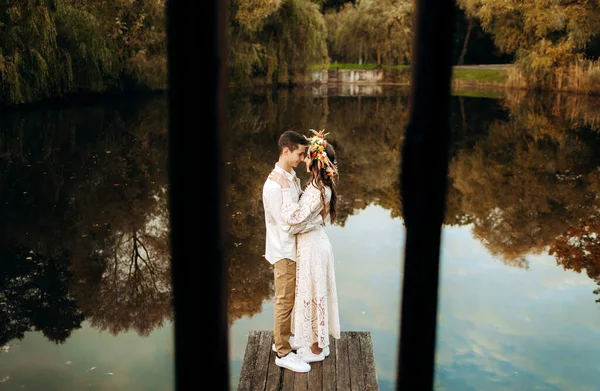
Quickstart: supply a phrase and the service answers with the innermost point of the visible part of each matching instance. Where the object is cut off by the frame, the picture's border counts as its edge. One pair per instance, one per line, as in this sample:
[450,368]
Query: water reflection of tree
[523,171]
[530,179]
[128,285]
[531,185]
[34,295]
[89,183]
[578,249]
[124,203]
[371,131]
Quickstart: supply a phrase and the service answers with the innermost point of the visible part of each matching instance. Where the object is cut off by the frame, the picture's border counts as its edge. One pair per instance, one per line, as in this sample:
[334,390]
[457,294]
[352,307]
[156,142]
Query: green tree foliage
[372,31]
[50,48]
[275,42]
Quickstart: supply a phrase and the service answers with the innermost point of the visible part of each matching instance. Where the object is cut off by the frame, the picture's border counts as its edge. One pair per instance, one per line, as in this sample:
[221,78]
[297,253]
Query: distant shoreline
[581,78]
[489,75]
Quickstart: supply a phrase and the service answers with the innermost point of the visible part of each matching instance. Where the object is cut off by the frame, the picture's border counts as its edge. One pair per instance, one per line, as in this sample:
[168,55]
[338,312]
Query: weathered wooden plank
[288,380]
[247,372]
[259,379]
[274,373]
[315,376]
[357,382]
[329,365]
[369,369]
[301,381]
[342,367]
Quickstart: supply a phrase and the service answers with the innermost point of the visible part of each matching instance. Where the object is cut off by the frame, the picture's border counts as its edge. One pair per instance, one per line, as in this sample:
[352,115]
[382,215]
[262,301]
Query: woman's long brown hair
[320,179]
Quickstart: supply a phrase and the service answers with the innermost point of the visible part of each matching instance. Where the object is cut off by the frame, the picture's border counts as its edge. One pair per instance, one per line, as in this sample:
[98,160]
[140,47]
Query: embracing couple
[305,306]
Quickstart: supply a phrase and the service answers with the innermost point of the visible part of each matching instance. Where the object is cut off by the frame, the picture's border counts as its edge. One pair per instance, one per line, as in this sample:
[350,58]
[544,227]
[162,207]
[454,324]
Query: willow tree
[136,33]
[275,41]
[544,35]
[378,30]
[33,63]
[49,48]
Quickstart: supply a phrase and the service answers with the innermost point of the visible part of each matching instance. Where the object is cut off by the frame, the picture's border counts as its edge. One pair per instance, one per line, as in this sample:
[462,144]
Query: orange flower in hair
[317,152]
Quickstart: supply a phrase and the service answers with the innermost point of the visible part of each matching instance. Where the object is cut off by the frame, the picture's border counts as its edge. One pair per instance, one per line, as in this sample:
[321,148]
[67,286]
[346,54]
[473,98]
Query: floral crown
[316,149]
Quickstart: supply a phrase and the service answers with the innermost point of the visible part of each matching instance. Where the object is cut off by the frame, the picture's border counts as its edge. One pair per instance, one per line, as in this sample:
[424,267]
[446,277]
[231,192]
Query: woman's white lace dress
[316,315]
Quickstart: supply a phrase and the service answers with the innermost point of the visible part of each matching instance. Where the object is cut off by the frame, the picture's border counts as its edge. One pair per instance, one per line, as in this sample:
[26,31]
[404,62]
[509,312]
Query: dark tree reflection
[34,295]
[84,189]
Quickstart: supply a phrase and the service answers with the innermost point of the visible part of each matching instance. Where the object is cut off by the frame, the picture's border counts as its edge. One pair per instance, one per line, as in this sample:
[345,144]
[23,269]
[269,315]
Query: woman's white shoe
[308,356]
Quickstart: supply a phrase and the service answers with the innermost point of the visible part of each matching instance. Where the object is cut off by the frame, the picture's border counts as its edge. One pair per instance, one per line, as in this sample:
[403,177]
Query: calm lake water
[84,277]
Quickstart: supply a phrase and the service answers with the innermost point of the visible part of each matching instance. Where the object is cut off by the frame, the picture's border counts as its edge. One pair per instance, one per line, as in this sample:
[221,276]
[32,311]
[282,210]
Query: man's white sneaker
[292,362]
[292,344]
[308,356]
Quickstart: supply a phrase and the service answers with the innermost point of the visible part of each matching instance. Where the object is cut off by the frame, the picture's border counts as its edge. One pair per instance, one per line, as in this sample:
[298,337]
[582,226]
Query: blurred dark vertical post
[198,125]
[423,190]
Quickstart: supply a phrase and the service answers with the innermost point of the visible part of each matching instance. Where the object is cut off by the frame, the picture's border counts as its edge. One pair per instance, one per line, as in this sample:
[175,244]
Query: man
[280,249]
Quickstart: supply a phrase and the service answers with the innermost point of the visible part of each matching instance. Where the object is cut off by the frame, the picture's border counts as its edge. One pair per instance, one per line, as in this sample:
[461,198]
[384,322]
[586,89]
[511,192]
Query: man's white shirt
[280,240]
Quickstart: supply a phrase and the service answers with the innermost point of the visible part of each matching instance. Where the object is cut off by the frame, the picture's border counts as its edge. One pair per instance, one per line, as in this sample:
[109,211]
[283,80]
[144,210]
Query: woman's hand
[279,178]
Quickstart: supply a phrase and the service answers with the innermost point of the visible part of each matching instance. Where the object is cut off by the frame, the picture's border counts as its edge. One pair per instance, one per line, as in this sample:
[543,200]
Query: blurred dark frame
[198,147]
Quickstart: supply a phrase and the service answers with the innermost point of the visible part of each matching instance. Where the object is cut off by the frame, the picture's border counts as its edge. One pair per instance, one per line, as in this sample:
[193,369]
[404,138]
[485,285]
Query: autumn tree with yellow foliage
[548,38]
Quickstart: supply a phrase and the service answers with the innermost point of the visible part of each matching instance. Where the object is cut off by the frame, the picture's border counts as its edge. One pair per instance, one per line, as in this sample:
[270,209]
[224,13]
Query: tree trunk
[461,59]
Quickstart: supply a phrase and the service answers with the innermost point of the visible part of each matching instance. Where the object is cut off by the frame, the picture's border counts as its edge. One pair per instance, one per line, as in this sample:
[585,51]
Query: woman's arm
[295,226]
[304,227]
[309,206]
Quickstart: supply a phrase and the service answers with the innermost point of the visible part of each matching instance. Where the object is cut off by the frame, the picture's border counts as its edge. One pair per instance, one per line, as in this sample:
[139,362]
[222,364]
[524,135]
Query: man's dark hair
[291,140]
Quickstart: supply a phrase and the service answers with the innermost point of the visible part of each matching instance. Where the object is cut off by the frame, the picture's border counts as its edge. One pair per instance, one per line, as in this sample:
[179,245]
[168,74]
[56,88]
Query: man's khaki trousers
[285,291]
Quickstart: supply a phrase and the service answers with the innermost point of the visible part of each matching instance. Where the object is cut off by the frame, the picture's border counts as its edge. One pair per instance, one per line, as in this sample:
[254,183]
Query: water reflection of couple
[305,306]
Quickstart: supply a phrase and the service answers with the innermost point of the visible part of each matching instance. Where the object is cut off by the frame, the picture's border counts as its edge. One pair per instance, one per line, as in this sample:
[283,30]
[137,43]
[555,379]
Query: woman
[316,314]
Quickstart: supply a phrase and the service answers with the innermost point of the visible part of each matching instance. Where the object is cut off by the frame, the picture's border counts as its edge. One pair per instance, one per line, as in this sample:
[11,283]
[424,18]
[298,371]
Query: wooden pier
[350,366]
